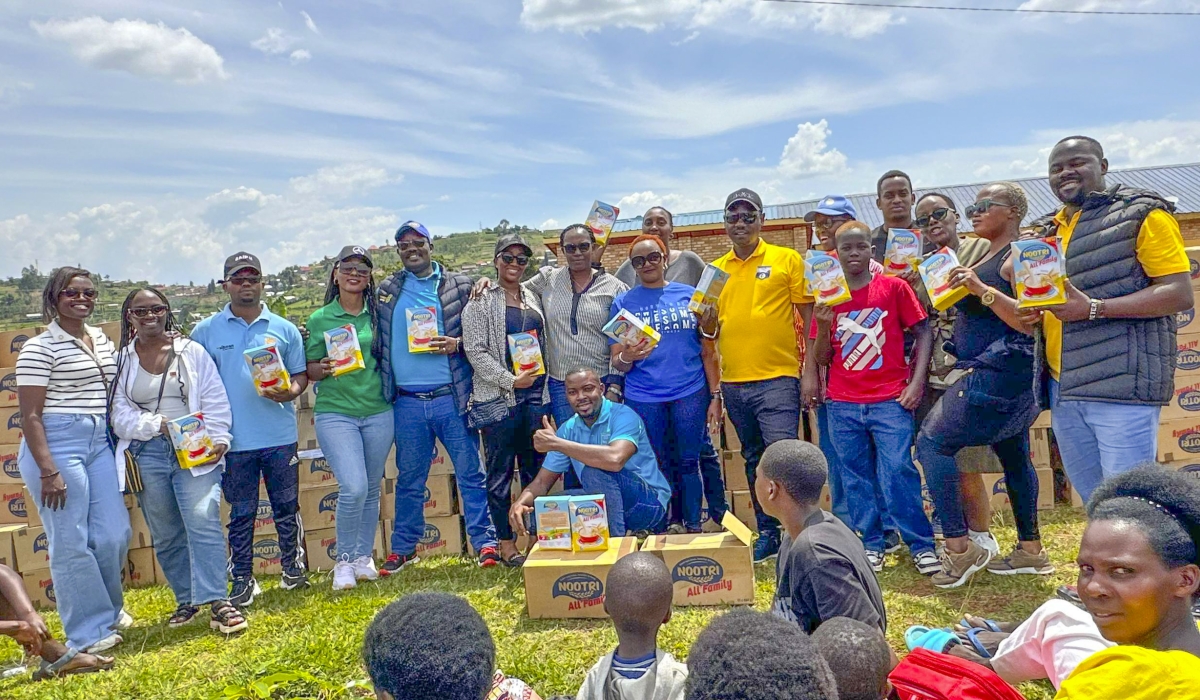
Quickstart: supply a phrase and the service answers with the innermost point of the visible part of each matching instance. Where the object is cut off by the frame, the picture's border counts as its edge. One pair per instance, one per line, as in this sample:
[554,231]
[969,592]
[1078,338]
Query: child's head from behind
[858,656]
[790,470]
[638,595]
[429,645]
[756,656]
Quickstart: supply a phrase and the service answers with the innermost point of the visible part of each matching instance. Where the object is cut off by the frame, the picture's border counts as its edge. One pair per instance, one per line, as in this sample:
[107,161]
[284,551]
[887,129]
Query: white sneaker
[987,541]
[105,644]
[343,576]
[124,621]
[364,568]
[875,559]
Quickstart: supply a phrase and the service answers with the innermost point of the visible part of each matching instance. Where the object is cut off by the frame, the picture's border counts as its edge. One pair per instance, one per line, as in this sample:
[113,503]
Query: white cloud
[138,47]
[300,56]
[637,203]
[806,153]
[444,198]
[275,41]
[550,225]
[343,180]
[308,22]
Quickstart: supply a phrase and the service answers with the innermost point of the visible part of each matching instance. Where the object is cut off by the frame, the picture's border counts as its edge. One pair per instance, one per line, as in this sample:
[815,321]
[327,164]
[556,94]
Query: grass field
[320,632]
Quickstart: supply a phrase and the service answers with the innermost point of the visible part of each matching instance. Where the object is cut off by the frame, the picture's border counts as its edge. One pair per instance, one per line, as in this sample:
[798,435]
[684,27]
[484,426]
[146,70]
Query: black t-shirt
[825,574]
[525,321]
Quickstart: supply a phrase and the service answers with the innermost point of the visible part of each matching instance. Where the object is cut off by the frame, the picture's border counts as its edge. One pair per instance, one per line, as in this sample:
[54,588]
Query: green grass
[320,632]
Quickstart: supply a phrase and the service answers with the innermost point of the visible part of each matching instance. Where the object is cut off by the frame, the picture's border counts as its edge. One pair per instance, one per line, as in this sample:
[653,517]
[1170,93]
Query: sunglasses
[572,248]
[982,207]
[360,269]
[410,244]
[242,280]
[72,293]
[938,214]
[833,223]
[749,217]
[639,261]
[509,259]
[144,311]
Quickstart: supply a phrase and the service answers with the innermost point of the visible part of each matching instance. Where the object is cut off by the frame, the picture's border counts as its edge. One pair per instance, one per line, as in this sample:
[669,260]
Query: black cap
[240,261]
[746,195]
[511,239]
[352,251]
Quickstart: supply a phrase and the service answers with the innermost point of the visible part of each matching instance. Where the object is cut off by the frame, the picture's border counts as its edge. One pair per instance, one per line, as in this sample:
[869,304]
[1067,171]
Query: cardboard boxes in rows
[708,568]
[561,584]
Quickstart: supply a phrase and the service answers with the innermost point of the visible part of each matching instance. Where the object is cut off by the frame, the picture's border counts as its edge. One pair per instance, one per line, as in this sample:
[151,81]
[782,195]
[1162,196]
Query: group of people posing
[883,371]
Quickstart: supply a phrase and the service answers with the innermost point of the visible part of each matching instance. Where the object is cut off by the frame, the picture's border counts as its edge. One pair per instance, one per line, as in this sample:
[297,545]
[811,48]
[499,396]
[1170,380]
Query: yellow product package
[708,291]
[1039,273]
[422,327]
[267,370]
[189,435]
[601,219]
[825,279]
[526,353]
[935,273]
[903,251]
[553,518]
[341,346]
[627,329]
[589,523]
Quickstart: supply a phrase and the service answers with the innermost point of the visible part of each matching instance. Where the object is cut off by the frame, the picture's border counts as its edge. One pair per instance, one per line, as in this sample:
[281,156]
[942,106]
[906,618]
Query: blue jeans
[418,421]
[1098,440]
[713,480]
[561,412]
[763,413]
[675,429]
[184,515]
[874,442]
[89,535]
[278,467]
[357,449]
[632,504]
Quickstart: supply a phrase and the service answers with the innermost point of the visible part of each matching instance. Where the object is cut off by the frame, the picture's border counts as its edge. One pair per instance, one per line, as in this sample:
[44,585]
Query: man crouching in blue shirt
[607,445]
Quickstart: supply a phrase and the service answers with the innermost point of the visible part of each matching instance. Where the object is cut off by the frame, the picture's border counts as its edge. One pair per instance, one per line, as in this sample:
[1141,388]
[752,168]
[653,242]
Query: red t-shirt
[868,341]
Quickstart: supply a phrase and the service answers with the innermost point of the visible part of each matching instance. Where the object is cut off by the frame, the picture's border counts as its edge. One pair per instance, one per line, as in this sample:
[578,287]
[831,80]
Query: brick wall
[1189,226]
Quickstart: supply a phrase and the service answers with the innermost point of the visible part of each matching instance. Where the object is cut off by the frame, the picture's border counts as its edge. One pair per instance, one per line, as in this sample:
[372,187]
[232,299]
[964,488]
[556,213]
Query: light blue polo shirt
[616,422]
[418,371]
[257,422]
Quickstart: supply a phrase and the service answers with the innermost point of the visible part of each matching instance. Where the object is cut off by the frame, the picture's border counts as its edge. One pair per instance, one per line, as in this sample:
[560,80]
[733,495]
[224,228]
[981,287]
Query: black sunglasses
[938,214]
[412,243]
[983,205]
[240,280]
[143,311]
[360,269]
[572,248]
[748,217]
[639,261]
[72,293]
[509,259]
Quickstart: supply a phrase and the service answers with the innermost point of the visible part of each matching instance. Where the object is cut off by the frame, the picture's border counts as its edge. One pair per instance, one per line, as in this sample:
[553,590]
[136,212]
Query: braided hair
[583,228]
[1162,503]
[59,280]
[1015,195]
[333,291]
[129,335]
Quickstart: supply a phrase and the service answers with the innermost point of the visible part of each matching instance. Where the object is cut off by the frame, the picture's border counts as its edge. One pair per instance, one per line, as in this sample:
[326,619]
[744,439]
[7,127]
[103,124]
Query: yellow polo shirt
[758,327]
[1159,250]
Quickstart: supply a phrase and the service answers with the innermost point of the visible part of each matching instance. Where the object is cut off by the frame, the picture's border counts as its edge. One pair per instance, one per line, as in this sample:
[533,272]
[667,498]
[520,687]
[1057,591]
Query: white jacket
[205,393]
[664,681]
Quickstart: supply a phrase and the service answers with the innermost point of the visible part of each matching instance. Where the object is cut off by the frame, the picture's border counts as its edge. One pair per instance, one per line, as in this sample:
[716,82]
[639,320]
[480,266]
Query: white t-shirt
[75,378]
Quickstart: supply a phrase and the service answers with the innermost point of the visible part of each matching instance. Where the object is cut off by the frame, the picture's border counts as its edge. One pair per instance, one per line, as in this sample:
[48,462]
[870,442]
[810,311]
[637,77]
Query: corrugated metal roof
[1178,182]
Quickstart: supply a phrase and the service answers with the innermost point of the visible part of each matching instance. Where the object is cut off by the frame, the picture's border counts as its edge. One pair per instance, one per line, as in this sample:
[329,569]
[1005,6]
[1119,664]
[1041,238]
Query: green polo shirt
[358,394]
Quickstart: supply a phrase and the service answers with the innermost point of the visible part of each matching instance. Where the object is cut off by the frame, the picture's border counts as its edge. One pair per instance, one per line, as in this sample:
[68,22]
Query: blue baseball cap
[414,227]
[832,205]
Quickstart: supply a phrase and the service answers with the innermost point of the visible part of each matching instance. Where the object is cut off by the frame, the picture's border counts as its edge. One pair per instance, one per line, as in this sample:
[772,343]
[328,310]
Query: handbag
[133,472]
[486,413]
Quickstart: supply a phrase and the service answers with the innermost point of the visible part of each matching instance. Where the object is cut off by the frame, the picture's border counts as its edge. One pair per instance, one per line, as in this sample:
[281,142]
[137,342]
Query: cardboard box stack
[709,568]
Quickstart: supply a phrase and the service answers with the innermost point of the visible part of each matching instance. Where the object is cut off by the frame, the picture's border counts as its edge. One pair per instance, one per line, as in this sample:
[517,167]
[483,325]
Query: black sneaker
[293,580]
[183,615]
[766,547]
[244,590]
[395,562]
[891,542]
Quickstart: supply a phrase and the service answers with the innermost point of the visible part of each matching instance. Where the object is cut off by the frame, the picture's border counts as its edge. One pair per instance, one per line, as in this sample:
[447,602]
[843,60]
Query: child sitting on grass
[822,571]
[858,656]
[638,598]
[434,645]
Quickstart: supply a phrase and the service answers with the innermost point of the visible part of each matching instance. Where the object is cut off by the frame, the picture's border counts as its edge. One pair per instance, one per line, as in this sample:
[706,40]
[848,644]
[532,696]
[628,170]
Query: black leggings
[508,447]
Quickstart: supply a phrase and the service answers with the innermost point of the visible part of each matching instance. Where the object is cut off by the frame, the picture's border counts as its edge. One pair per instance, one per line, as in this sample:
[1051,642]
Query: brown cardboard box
[31,548]
[730,441]
[389,464]
[735,471]
[264,518]
[307,399]
[1193,253]
[31,509]
[139,529]
[1179,440]
[141,567]
[387,500]
[11,342]
[8,555]
[267,557]
[743,508]
[40,588]
[13,505]
[10,473]
[113,330]
[1042,421]
[994,485]
[10,425]
[306,430]
[8,387]
[709,569]
[321,546]
[1185,321]
[1039,447]
[1185,400]
[318,506]
[443,536]
[315,470]
[571,584]
[439,495]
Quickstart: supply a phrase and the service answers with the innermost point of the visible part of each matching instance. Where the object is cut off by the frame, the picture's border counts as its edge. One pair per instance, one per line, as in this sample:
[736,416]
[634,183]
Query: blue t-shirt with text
[673,369]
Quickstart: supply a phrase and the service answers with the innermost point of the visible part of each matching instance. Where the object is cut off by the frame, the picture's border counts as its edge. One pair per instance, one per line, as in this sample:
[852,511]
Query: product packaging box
[1039,448]
[267,370]
[14,508]
[629,330]
[735,471]
[708,291]
[601,219]
[306,430]
[935,273]
[139,529]
[315,469]
[8,387]
[30,548]
[321,548]
[589,523]
[40,588]
[342,348]
[742,506]
[318,506]
[10,472]
[1039,272]
[141,568]
[191,440]
[526,353]
[995,486]
[553,518]
[442,536]
[571,584]
[11,430]
[709,569]
[11,343]
[267,557]
[903,251]
[8,556]
[1179,439]
[422,328]
[439,495]
[825,279]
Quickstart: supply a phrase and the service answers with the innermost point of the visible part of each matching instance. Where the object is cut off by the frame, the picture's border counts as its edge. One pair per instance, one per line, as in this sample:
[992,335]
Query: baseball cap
[833,205]
[511,239]
[351,251]
[414,227]
[241,261]
[746,195]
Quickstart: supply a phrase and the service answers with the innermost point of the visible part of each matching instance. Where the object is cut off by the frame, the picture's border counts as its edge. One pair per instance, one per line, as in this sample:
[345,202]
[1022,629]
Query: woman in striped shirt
[67,462]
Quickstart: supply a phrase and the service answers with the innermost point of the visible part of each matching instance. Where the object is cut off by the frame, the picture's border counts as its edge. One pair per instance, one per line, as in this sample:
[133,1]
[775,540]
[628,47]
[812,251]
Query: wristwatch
[989,297]
[1095,309]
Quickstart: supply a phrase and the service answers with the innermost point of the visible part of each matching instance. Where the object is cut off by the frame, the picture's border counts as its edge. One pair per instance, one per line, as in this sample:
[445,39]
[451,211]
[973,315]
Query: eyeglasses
[72,293]
[749,217]
[639,261]
[360,269]
[573,248]
[411,243]
[982,206]
[938,214]
[143,311]
[509,259]
[832,223]
[242,280]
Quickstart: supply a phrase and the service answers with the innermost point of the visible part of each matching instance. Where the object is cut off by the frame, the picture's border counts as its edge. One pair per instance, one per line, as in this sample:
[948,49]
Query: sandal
[920,637]
[59,669]
[183,615]
[226,618]
[516,561]
[973,638]
[988,625]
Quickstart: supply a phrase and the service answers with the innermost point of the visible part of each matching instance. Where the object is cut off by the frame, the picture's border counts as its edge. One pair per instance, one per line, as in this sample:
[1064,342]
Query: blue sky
[150,139]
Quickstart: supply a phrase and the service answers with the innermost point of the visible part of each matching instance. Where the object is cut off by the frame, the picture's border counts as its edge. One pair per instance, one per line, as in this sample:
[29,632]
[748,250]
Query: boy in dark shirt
[822,571]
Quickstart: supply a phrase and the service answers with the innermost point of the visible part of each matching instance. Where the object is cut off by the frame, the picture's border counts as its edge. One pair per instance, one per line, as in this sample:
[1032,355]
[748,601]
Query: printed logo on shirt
[578,586]
[764,271]
[225,347]
[861,336]
[698,570]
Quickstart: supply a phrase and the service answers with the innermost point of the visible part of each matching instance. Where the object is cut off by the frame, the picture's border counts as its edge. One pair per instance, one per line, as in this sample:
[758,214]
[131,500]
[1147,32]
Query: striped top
[70,372]
[573,321]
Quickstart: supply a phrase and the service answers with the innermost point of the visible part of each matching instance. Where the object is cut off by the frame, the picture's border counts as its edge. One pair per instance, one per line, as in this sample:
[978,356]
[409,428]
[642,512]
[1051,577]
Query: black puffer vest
[1115,360]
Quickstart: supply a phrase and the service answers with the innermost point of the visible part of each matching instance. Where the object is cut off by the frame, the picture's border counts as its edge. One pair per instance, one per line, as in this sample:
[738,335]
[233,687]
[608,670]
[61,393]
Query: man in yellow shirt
[1110,349]
[756,337]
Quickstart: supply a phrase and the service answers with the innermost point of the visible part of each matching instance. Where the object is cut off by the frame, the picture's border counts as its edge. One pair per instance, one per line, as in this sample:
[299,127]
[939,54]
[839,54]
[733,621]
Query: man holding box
[263,428]
[429,380]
